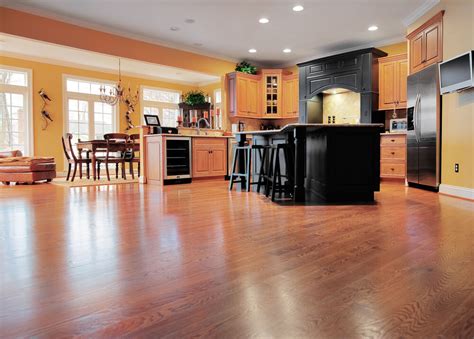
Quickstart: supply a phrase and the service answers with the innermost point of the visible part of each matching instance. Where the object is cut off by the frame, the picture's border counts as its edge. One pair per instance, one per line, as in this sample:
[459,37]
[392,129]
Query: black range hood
[356,71]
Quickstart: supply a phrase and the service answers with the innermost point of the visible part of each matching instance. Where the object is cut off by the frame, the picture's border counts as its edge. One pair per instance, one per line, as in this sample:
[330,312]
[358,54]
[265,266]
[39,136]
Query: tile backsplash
[345,107]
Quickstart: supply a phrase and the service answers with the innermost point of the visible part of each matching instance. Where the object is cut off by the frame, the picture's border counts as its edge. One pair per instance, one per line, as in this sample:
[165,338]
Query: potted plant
[195,97]
[246,67]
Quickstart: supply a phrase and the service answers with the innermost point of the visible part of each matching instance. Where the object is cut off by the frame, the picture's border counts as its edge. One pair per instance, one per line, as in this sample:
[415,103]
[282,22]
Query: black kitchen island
[333,163]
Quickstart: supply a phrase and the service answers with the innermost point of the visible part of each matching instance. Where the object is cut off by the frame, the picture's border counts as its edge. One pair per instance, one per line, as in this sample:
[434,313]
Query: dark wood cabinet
[426,44]
[356,71]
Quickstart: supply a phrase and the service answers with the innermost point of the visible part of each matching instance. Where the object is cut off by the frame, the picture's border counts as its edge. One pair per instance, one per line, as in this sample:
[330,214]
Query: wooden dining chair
[131,156]
[72,159]
[109,158]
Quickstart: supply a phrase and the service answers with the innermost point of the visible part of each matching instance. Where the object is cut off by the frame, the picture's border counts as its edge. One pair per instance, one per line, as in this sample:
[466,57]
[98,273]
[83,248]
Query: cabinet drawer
[200,141]
[393,152]
[393,140]
[388,169]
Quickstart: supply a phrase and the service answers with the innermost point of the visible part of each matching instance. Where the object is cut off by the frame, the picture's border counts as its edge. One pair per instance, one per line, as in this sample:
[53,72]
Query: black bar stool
[235,176]
[273,176]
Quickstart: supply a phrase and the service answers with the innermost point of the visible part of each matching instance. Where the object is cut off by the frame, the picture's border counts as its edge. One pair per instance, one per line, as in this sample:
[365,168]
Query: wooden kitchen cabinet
[290,99]
[393,151]
[426,44]
[209,157]
[153,168]
[393,73]
[272,93]
[267,95]
[243,95]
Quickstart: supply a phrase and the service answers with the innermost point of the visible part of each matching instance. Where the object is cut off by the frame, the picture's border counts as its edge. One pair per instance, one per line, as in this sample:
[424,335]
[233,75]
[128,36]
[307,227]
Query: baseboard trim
[456,191]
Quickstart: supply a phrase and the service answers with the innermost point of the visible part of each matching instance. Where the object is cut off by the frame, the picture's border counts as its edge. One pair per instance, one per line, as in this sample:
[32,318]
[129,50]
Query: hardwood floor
[197,260]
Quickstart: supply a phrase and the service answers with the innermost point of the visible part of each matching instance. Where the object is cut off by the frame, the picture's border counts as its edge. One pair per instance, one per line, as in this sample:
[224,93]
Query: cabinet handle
[392,140]
[393,169]
[393,153]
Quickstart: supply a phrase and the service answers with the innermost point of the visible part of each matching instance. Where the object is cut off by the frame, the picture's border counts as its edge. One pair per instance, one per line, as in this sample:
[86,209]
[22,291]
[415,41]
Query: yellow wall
[457,108]
[50,77]
[398,48]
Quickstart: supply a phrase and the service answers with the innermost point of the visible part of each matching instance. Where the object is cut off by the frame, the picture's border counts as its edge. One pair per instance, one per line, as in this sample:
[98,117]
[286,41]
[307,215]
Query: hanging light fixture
[117,93]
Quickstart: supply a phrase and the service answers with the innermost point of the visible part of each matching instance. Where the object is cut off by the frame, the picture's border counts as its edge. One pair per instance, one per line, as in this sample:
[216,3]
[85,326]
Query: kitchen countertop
[290,127]
[394,133]
[192,136]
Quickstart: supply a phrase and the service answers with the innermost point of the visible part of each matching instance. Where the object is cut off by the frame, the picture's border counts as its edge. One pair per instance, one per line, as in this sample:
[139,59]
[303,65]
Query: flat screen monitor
[152,120]
[457,73]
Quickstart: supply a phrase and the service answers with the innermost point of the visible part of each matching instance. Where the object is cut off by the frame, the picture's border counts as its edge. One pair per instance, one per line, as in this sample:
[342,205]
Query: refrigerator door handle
[415,116]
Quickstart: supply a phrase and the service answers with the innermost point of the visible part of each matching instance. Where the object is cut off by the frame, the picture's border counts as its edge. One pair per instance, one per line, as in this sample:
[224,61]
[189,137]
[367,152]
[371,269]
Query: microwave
[398,125]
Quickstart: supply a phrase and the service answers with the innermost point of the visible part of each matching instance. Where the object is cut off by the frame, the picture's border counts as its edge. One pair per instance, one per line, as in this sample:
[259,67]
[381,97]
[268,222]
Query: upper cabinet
[243,95]
[426,44]
[290,97]
[270,94]
[393,72]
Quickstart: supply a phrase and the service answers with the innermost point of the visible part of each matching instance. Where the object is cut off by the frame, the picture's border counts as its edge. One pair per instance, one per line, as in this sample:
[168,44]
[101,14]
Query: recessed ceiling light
[189,21]
[287,50]
[373,28]
[263,20]
[298,8]
[252,50]
[174,28]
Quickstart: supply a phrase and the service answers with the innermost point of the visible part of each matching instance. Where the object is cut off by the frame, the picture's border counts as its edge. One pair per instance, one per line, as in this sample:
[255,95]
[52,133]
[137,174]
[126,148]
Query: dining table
[100,146]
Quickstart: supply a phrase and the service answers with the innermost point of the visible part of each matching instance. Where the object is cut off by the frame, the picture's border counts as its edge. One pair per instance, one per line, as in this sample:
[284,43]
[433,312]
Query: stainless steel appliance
[424,129]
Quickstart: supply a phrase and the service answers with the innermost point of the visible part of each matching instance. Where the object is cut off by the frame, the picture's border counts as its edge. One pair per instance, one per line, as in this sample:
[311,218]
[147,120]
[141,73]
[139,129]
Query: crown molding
[420,11]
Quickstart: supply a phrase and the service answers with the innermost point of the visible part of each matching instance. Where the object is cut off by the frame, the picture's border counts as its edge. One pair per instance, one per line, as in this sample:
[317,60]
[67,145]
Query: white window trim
[216,105]
[83,96]
[30,134]
[156,104]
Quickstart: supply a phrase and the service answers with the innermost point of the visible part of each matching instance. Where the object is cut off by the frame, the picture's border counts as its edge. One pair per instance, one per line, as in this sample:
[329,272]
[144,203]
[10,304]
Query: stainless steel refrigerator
[424,128]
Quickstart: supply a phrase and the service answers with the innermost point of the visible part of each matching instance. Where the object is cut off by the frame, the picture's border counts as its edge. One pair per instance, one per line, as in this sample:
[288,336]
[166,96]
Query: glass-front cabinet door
[272,93]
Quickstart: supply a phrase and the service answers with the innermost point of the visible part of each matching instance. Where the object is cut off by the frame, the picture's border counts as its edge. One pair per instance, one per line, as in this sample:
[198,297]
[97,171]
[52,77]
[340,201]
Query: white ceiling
[56,54]
[228,28]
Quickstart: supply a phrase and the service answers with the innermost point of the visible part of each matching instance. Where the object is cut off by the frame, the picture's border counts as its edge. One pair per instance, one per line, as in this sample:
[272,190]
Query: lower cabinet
[393,150]
[154,159]
[209,157]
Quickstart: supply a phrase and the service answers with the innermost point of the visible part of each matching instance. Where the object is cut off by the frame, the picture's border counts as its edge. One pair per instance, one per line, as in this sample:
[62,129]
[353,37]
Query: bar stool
[273,174]
[247,156]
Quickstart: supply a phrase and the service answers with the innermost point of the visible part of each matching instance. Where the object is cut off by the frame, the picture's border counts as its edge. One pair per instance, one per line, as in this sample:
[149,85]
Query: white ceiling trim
[420,11]
[121,33]
[206,83]
[380,43]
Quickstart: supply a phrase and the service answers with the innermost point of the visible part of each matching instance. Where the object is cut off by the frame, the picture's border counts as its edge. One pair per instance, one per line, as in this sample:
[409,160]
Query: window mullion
[91,120]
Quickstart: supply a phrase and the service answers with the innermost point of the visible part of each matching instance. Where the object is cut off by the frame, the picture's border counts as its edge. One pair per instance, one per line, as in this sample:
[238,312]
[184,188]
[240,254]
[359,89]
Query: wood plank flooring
[197,260]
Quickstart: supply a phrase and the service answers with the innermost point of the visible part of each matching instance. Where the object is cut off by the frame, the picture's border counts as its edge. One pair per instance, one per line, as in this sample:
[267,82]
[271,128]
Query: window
[217,107]
[16,130]
[161,102]
[87,116]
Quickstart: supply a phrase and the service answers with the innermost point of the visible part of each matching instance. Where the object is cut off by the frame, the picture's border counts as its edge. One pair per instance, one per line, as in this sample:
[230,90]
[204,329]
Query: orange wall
[50,77]
[54,31]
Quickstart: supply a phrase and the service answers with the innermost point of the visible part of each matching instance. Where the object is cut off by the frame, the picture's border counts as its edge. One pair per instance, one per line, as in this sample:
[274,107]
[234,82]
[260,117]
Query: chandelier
[118,94]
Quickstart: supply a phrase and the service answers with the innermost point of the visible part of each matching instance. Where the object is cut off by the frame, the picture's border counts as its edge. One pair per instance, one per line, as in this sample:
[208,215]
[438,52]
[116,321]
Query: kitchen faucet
[199,121]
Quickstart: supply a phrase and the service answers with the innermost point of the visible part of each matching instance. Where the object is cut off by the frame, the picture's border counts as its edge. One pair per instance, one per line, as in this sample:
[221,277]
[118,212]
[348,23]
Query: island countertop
[291,127]
[328,162]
